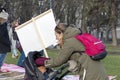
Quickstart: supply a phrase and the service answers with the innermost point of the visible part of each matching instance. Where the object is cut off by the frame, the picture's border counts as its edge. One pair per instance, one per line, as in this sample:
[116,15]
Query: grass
[111,62]
[112,65]
[10,60]
[111,48]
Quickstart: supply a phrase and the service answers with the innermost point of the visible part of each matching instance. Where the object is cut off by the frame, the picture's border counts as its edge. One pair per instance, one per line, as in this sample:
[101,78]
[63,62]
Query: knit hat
[4,15]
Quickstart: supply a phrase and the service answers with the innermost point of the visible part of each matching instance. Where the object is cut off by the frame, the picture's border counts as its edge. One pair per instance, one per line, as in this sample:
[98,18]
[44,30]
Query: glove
[41,61]
[72,65]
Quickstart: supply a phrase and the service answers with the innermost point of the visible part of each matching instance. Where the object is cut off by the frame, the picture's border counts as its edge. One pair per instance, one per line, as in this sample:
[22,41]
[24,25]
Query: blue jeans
[21,59]
[2,57]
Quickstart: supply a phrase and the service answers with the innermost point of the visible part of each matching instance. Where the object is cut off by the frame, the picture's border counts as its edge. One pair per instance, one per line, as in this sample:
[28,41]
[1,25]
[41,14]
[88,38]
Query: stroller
[32,72]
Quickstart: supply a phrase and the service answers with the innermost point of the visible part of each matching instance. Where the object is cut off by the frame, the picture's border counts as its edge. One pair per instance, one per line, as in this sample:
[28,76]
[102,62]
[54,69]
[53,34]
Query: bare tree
[82,13]
[113,21]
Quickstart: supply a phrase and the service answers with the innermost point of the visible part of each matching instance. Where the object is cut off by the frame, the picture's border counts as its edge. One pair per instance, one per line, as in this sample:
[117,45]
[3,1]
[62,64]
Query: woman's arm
[62,57]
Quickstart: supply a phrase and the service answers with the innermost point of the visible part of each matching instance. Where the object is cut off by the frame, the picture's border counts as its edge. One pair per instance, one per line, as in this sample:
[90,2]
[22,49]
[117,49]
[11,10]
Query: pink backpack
[93,46]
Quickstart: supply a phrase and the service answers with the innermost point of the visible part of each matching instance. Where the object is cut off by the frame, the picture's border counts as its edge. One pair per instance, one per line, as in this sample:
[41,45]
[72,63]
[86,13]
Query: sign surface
[37,33]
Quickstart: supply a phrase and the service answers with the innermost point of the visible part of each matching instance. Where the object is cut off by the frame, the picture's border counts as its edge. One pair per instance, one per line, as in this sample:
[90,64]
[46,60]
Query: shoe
[15,56]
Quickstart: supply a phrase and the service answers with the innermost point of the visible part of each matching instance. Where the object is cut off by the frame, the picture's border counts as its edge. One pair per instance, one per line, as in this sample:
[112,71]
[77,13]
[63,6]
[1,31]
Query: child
[18,45]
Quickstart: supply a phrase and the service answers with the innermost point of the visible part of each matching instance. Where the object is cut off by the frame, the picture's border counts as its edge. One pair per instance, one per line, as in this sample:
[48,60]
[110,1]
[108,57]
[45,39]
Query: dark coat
[15,37]
[94,69]
[4,39]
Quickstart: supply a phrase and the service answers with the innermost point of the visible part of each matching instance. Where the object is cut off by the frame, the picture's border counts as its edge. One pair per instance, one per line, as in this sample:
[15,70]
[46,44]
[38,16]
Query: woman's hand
[72,65]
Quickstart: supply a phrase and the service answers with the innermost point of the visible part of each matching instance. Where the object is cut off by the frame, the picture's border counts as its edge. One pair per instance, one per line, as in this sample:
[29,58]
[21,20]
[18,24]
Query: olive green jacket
[94,69]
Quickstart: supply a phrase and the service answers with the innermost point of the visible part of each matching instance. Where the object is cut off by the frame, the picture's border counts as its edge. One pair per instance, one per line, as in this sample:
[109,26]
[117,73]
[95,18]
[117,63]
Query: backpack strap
[81,52]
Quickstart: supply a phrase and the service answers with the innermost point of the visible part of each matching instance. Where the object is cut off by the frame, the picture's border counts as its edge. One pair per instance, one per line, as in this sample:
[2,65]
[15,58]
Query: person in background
[13,41]
[71,52]
[17,44]
[5,45]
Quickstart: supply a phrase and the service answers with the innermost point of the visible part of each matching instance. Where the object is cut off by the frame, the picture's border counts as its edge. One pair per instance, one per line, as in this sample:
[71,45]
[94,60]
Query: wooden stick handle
[40,37]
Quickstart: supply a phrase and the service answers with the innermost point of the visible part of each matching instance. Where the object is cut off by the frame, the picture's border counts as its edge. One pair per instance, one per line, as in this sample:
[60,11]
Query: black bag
[31,70]
[99,56]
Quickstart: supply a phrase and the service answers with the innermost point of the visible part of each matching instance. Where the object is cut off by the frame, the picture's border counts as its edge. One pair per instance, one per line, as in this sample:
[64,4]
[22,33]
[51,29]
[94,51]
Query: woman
[70,48]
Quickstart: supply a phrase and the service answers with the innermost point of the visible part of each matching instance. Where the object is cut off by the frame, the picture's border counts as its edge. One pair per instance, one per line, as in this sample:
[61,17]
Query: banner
[37,33]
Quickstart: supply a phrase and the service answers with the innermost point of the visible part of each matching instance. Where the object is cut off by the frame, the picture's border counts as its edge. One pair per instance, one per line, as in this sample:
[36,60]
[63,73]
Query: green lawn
[111,48]
[10,60]
[112,65]
[111,62]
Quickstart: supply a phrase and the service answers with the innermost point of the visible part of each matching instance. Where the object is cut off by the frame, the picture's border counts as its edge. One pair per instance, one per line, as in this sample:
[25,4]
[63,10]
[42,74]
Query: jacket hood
[70,32]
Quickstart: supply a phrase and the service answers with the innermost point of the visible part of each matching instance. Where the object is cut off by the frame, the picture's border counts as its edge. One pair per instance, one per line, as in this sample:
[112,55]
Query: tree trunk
[107,32]
[83,17]
[114,36]
[113,21]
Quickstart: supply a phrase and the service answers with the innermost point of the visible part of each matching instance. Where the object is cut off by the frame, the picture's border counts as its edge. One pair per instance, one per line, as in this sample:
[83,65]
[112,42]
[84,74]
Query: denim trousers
[21,59]
[2,57]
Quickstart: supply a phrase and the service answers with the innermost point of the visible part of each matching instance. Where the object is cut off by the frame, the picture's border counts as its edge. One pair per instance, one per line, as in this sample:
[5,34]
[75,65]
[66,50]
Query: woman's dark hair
[61,27]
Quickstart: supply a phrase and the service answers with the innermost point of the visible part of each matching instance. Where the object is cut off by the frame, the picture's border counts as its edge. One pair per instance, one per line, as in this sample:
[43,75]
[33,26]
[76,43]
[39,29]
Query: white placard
[37,33]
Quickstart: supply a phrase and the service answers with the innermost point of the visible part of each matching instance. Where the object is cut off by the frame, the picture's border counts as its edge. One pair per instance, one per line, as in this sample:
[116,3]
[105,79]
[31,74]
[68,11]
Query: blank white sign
[37,33]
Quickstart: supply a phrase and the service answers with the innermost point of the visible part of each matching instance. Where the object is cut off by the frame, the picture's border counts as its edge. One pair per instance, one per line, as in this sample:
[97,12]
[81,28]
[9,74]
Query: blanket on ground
[12,68]
[76,77]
